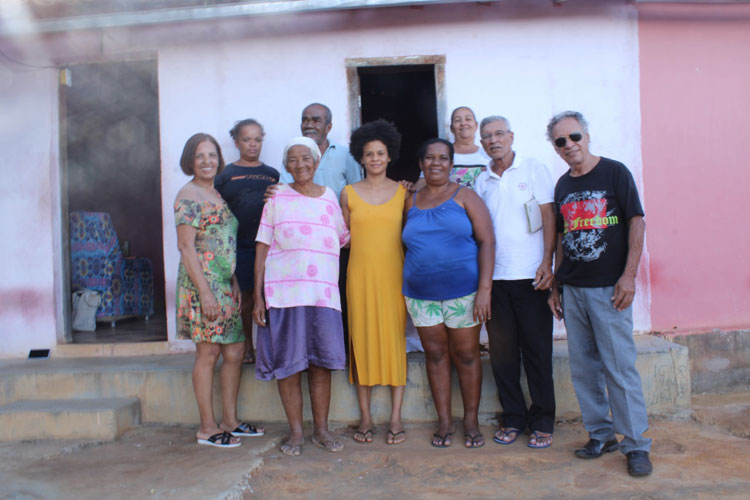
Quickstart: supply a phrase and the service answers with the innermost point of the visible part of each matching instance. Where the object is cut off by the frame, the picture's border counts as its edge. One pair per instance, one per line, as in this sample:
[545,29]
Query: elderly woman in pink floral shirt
[297,301]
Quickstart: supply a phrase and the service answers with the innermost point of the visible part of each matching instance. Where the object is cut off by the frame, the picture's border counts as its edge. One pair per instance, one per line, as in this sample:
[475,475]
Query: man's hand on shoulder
[624,292]
[270,192]
[409,186]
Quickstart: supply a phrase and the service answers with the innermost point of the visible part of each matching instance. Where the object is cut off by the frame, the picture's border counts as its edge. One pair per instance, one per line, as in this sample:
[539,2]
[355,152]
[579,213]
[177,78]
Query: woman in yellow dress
[373,210]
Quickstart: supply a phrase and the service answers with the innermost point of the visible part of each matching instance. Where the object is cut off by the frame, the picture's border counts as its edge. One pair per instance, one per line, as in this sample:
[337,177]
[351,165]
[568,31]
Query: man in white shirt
[514,188]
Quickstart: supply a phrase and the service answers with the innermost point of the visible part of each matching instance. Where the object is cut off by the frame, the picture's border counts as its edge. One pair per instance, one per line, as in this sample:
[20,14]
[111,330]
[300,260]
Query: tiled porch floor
[126,330]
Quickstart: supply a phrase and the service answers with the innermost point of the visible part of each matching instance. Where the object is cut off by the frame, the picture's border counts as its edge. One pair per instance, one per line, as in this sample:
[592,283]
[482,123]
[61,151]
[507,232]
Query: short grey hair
[326,109]
[302,141]
[566,114]
[492,119]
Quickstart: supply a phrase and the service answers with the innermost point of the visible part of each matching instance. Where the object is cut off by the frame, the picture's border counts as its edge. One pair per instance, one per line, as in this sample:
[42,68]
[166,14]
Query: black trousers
[521,330]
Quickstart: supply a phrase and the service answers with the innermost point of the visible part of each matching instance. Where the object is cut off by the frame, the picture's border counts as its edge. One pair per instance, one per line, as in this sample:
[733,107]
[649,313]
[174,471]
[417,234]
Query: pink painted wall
[29,250]
[695,109]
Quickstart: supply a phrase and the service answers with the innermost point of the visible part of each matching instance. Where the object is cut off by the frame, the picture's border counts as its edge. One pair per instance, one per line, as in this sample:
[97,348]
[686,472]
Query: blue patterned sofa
[126,285]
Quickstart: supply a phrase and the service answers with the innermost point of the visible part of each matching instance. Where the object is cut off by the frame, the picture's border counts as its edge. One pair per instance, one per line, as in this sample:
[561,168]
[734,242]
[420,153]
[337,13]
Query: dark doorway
[111,113]
[406,96]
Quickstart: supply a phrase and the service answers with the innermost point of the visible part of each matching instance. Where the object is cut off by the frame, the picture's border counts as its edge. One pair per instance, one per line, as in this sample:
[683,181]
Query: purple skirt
[295,338]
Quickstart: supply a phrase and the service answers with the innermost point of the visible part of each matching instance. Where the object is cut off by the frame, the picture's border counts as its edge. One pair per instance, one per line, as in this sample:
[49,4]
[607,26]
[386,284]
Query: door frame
[354,91]
[62,268]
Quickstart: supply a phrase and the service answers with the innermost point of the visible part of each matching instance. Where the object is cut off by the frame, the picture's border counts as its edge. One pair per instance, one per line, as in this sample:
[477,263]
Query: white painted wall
[526,62]
[29,209]
[526,67]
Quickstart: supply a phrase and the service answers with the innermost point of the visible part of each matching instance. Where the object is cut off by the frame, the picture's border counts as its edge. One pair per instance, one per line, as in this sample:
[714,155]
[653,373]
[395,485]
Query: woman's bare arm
[259,306]
[485,238]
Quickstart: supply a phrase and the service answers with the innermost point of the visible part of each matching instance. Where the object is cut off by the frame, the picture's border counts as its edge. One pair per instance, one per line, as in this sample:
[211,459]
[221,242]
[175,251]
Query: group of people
[329,255]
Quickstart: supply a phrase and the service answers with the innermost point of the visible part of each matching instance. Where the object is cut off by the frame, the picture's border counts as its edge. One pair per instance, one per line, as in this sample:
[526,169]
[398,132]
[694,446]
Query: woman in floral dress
[208,293]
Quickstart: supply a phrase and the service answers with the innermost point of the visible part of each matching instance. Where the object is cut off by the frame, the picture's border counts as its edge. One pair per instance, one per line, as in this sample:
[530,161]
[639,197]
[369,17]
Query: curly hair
[187,160]
[378,130]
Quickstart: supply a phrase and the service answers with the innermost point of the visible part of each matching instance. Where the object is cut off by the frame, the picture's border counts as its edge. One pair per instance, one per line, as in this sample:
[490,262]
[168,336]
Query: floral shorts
[455,313]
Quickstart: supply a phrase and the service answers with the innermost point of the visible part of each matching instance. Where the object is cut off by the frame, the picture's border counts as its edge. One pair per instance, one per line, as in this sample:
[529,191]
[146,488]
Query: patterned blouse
[305,235]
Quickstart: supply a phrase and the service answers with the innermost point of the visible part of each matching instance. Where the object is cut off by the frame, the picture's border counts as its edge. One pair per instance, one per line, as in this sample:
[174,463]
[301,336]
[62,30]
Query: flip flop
[393,435]
[441,440]
[290,449]
[248,430]
[539,436]
[474,440]
[506,432]
[365,436]
[331,445]
[220,440]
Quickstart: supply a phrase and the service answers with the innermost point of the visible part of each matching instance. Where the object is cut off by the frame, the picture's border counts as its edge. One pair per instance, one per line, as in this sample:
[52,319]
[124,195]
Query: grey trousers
[602,366]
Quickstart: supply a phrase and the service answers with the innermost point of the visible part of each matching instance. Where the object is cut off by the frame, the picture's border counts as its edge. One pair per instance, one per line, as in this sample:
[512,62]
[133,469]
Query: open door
[111,165]
[405,91]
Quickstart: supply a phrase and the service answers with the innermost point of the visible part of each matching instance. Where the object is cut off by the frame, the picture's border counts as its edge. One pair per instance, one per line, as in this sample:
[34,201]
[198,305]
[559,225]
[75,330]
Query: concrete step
[99,418]
[110,349]
[719,360]
[164,387]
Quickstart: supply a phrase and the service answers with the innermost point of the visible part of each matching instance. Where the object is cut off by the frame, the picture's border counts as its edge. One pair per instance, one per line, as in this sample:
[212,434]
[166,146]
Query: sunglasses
[575,137]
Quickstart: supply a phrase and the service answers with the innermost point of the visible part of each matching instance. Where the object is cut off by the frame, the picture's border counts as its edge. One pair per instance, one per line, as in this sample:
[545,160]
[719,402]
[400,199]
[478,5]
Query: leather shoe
[595,448]
[638,463]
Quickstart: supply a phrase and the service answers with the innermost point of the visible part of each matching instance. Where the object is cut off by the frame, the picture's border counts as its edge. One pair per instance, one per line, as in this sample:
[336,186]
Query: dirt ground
[690,461]
[704,456]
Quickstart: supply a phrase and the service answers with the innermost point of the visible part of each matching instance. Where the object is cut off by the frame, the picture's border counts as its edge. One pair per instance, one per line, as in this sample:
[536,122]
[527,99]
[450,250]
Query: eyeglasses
[575,137]
[499,134]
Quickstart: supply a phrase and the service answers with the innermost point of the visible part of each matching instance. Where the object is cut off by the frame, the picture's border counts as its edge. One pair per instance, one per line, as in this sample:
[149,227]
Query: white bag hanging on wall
[85,304]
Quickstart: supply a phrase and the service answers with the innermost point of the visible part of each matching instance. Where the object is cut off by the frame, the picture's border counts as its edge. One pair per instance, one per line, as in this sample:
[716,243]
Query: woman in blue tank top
[448,265]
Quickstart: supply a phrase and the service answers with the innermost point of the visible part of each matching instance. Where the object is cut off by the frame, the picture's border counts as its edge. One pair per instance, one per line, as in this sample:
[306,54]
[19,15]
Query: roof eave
[19,25]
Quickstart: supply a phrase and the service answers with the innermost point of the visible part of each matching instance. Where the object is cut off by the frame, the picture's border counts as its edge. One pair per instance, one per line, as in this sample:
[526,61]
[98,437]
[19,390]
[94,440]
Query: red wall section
[695,106]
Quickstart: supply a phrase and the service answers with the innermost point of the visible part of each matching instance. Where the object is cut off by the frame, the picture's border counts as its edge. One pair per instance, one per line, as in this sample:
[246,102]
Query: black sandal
[220,440]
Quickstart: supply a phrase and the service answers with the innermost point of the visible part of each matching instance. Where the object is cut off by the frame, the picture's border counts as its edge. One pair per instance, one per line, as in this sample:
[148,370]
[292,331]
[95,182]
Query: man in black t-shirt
[600,240]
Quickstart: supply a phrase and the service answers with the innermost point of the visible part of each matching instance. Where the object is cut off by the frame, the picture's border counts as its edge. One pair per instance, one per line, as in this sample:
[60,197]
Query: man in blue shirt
[337,167]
